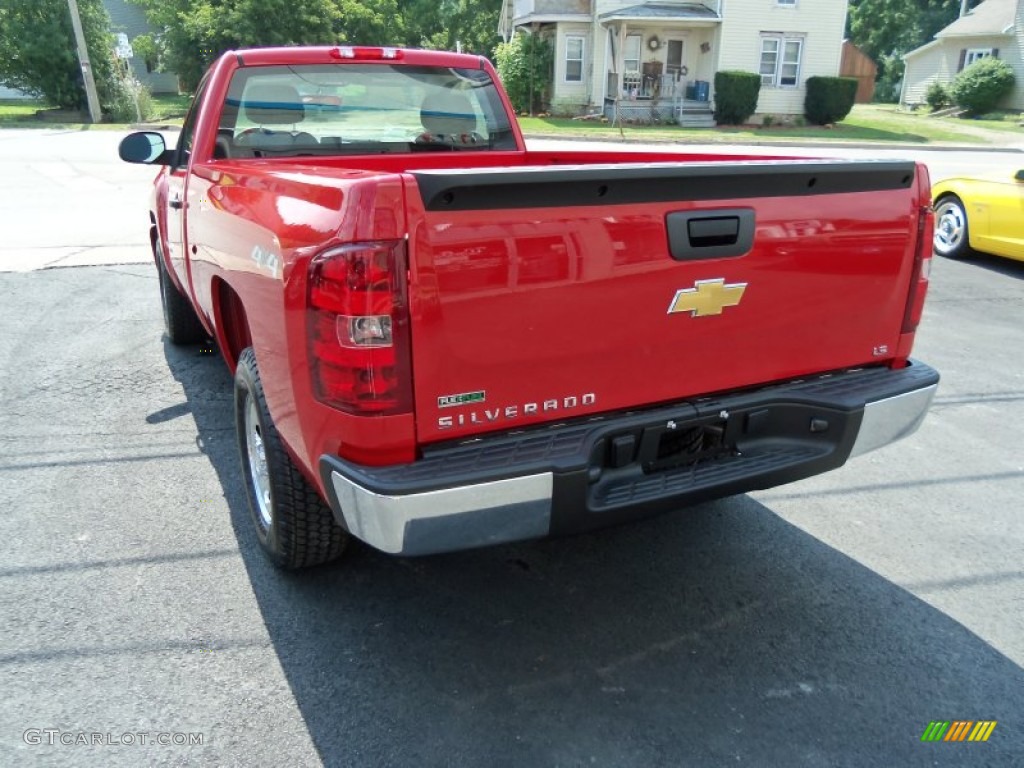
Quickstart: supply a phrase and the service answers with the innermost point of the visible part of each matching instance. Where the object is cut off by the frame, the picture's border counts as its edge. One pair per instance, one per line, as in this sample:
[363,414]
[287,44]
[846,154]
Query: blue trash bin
[701,90]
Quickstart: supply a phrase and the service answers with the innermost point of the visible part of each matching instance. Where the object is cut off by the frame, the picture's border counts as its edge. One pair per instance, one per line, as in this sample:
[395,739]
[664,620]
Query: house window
[786,3]
[976,54]
[780,61]
[631,54]
[574,59]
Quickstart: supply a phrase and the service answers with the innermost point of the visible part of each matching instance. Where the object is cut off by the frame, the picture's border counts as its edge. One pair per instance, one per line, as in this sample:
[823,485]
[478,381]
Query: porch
[655,97]
[659,60]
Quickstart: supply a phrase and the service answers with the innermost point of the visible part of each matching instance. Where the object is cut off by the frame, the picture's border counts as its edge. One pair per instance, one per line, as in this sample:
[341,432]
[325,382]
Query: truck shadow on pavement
[716,635]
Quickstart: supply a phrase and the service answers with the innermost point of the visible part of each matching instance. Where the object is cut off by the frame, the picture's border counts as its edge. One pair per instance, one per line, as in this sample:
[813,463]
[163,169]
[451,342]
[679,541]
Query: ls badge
[707,297]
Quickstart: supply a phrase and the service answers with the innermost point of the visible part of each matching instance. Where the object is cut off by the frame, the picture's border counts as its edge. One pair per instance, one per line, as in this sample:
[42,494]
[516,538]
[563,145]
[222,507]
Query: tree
[441,25]
[38,54]
[887,29]
[192,33]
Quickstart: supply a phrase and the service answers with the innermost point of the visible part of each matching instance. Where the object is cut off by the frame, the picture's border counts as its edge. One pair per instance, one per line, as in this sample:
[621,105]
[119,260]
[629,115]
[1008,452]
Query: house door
[674,59]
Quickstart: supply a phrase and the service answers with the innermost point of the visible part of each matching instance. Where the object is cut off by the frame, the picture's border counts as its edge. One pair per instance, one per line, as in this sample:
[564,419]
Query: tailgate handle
[710,234]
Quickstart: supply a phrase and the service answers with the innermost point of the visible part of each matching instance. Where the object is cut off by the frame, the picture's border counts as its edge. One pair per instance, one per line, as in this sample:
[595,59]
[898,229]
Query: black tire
[293,525]
[952,232]
[180,320]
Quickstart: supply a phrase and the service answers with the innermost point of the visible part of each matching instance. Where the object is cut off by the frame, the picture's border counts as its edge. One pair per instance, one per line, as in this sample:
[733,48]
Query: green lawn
[18,110]
[1012,122]
[21,113]
[170,108]
[894,119]
[867,122]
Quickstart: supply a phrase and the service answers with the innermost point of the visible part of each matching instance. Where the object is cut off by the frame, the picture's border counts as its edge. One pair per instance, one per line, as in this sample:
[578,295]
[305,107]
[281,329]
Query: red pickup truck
[442,340]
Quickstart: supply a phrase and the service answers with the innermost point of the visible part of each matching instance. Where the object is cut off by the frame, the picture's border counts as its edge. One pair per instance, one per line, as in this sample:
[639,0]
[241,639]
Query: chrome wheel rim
[257,462]
[950,226]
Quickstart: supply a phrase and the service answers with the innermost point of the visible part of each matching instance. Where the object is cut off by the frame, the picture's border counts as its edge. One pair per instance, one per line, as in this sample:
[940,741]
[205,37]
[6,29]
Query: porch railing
[636,86]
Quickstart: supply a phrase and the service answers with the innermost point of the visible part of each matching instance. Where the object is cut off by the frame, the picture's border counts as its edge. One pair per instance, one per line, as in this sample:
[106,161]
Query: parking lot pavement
[68,201]
[823,623]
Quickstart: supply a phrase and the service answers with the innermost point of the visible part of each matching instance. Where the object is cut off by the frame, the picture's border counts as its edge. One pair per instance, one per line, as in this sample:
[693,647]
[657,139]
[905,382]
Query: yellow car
[981,214]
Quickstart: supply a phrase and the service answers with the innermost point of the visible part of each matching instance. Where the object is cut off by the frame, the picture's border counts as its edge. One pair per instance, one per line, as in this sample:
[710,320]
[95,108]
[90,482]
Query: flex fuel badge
[466,398]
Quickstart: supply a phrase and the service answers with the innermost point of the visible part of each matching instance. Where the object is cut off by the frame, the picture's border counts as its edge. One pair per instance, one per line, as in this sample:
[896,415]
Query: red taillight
[359,328]
[922,268]
[365,53]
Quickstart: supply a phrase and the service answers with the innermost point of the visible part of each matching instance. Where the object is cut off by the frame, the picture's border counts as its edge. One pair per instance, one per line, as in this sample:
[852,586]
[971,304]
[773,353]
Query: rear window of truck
[346,109]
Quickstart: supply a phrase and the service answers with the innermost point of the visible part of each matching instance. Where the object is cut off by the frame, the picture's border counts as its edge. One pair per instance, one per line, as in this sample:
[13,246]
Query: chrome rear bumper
[566,479]
[450,519]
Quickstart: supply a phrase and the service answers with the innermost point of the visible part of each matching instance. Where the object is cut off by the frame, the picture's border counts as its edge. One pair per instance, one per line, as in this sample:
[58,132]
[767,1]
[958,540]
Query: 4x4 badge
[707,297]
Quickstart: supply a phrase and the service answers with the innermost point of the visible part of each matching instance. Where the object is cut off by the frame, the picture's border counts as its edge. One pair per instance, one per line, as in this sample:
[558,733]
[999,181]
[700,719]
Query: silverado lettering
[515,411]
[361,229]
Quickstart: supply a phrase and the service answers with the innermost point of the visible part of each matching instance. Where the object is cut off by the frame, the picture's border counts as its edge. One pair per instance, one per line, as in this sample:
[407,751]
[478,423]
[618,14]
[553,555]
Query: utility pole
[83,60]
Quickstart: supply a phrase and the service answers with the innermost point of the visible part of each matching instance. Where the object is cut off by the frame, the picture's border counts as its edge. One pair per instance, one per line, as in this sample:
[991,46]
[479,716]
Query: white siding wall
[131,20]
[939,64]
[572,96]
[1016,100]
[819,22]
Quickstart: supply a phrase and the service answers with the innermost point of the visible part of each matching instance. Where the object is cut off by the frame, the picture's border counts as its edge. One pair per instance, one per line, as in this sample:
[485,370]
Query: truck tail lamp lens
[359,328]
[922,269]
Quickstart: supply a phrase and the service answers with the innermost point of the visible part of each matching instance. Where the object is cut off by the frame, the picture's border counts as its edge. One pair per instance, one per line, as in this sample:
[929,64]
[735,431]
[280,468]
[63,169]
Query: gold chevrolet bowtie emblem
[707,297]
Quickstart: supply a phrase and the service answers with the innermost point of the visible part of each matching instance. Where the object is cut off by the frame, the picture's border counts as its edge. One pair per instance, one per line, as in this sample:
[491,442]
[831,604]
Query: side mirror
[146,147]
[1019,176]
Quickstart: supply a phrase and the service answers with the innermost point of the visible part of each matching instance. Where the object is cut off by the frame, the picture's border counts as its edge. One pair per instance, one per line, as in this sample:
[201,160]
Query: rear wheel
[180,320]
[293,525]
[951,229]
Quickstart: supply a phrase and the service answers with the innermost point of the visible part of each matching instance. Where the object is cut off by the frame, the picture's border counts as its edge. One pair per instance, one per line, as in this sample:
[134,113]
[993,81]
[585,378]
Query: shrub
[829,99]
[735,96]
[121,106]
[937,96]
[980,86]
[515,61]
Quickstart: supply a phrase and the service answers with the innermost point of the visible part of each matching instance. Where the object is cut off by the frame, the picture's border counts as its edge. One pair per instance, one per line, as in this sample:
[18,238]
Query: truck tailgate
[543,294]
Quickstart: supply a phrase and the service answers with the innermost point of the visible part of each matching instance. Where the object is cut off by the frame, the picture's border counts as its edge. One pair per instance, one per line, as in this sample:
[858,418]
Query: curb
[153,127]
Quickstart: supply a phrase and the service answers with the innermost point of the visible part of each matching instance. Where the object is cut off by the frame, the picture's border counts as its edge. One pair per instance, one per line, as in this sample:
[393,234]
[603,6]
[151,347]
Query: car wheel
[951,229]
[293,525]
[180,320]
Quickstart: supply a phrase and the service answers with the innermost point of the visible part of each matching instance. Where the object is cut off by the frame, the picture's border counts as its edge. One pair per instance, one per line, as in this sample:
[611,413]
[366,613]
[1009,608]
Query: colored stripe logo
[958,730]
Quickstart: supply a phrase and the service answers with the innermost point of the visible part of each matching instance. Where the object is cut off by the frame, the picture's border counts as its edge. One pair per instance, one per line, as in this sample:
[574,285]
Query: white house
[660,57]
[993,28]
[131,20]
